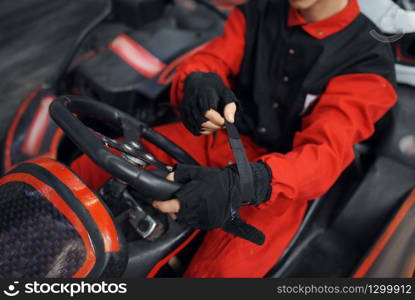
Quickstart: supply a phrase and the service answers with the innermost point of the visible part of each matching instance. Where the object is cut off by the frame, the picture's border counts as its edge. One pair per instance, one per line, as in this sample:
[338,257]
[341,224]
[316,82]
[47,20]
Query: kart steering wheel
[67,111]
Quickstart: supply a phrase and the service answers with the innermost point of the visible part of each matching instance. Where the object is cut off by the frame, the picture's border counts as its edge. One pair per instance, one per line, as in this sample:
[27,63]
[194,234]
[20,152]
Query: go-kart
[125,57]
[54,225]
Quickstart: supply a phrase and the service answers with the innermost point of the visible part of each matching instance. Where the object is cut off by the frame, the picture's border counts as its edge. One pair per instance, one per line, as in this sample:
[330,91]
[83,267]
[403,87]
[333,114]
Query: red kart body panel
[45,195]
[393,253]
[32,132]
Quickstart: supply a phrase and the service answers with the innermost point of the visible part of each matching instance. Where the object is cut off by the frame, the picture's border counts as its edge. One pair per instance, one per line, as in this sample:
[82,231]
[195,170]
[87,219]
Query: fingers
[229,112]
[216,121]
[189,120]
[206,131]
[170,177]
[214,117]
[208,99]
[210,125]
[186,173]
[169,207]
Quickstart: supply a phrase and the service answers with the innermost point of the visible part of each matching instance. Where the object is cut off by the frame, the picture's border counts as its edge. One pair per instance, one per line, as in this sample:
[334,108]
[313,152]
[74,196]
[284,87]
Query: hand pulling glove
[203,91]
[211,198]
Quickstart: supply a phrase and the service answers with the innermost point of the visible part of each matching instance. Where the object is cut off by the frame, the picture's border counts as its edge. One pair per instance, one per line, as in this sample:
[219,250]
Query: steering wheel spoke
[132,131]
[132,148]
[68,111]
[109,142]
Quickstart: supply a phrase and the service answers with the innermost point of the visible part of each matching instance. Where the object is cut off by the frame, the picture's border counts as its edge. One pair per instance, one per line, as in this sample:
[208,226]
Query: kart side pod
[53,226]
[32,133]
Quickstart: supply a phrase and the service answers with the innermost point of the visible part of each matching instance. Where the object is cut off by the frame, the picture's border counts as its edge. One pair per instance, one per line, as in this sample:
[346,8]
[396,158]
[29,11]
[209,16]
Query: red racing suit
[349,99]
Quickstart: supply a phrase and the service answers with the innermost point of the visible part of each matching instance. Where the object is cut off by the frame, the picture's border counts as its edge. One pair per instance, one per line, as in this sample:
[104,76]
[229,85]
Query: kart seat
[53,226]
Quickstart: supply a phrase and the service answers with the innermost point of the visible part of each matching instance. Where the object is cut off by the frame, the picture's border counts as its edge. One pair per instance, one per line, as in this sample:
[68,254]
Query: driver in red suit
[304,81]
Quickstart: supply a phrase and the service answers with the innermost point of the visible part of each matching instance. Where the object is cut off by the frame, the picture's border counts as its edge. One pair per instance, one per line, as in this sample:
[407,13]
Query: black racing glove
[211,198]
[203,91]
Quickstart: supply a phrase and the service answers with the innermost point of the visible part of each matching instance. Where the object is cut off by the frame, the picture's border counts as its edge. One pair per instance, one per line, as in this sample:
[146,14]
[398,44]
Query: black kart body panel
[138,65]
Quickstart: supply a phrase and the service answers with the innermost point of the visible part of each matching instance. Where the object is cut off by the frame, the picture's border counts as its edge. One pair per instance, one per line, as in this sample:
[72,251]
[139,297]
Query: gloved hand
[211,198]
[204,96]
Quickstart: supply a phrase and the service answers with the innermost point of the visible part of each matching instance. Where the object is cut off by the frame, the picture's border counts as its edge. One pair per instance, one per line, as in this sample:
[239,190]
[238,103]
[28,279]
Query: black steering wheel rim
[66,110]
